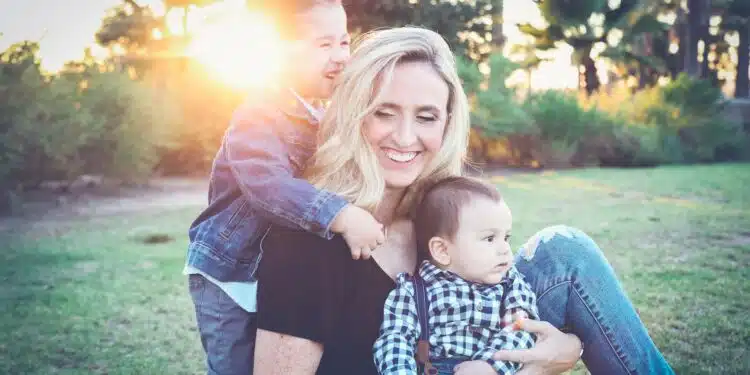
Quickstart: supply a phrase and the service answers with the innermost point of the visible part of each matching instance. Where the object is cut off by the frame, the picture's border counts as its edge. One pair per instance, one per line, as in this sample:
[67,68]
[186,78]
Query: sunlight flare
[239,47]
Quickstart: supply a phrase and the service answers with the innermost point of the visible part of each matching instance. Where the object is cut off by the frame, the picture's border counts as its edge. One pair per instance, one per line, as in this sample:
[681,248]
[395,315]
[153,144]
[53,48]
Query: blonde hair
[345,163]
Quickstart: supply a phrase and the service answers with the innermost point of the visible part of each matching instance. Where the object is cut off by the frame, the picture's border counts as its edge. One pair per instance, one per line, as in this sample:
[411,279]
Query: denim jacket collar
[295,106]
[312,111]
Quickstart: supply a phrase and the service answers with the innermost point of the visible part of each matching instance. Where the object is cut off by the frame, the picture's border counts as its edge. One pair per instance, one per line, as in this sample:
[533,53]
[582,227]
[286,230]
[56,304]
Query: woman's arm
[276,353]
[300,280]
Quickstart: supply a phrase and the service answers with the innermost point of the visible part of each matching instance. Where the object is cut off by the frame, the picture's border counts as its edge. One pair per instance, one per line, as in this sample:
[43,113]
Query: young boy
[255,183]
[467,294]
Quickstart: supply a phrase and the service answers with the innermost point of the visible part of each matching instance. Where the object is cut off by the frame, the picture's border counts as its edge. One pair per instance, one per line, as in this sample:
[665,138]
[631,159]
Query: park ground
[95,286]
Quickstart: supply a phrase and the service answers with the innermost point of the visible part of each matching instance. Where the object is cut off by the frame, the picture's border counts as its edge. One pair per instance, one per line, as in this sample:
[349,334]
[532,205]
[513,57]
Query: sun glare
[238,47]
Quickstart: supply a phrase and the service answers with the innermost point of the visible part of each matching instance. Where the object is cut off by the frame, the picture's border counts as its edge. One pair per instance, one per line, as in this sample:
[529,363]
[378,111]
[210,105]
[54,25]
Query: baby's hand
[360,231]
[474,367]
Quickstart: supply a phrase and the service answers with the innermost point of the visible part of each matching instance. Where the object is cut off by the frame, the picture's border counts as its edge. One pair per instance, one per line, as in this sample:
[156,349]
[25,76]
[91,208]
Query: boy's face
[319,51]
[480,252]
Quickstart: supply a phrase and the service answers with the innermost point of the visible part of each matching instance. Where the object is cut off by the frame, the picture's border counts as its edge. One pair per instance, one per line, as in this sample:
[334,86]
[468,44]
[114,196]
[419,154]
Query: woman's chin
[399,182]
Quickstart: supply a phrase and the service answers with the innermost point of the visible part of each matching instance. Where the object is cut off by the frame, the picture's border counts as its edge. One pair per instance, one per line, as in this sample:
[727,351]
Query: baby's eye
[490,238]
[325,45]
[507,237]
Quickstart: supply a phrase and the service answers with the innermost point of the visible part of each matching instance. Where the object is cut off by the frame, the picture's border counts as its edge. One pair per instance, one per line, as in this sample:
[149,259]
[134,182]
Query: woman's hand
[554,352]
[474,368]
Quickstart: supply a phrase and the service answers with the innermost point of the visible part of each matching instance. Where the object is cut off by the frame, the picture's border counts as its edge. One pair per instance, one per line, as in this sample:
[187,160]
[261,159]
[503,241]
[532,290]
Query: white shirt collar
[316,113]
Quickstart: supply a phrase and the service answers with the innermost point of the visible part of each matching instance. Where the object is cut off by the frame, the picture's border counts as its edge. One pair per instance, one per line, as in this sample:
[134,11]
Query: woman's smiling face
[406,128]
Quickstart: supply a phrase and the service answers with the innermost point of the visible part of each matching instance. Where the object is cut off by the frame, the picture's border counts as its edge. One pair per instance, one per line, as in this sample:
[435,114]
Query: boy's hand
[360,231]
[474,367]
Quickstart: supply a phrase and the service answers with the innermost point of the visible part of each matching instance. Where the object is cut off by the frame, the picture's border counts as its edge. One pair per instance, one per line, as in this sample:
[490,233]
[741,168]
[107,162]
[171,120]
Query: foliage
[130,25]
[684,121]
[589,24]
[88,121]
[463,24]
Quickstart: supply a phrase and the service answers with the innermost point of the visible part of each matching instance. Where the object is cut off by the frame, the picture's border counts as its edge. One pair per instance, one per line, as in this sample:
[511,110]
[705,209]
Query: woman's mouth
[401,157]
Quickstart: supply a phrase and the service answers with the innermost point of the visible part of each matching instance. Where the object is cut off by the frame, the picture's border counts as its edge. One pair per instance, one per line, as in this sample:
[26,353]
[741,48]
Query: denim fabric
[255,183]
[227,331]
[578,291]
[444,366]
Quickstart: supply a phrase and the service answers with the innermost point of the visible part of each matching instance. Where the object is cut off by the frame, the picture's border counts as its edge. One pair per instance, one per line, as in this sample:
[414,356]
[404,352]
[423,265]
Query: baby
[459,308]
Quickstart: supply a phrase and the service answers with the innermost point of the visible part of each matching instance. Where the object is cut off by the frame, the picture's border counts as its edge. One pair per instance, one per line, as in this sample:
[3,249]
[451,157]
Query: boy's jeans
[227,331]
[578,292]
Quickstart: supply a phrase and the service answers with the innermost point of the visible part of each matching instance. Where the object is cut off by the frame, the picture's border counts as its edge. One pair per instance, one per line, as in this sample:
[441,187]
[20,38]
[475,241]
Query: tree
[130,26]
[696,30]
[498,39]
[463,24]
[737,18]
[589,23]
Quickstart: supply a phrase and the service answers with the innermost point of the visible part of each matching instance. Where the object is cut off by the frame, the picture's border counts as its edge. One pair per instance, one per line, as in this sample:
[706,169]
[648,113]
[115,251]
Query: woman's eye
[383,114]
[426,118]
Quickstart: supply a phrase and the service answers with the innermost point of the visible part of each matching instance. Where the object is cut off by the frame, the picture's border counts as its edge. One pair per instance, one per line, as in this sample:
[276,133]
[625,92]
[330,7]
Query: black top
[310,287]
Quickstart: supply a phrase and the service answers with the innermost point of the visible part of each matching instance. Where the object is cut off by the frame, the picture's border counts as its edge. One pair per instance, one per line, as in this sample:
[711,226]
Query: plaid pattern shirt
[465,320]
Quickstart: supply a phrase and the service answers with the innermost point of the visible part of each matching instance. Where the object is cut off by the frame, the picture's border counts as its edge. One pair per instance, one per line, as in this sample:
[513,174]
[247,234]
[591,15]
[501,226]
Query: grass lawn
[89,296]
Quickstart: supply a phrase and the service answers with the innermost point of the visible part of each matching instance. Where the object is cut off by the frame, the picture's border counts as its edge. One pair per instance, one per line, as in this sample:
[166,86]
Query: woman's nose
[405,133]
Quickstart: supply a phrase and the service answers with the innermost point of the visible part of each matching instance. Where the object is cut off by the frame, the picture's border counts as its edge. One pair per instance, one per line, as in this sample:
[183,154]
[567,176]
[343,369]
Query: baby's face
[480,251]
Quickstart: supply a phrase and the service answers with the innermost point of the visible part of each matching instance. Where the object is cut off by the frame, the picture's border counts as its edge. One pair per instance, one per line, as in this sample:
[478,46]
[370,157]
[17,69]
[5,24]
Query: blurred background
[627,118]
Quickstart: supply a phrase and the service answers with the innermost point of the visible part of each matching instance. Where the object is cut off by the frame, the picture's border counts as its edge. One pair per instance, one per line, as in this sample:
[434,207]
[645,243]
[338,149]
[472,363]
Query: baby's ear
[439,251]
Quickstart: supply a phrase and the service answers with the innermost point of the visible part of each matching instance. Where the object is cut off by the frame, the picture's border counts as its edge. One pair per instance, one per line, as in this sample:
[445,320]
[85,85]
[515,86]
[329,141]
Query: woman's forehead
[414,85]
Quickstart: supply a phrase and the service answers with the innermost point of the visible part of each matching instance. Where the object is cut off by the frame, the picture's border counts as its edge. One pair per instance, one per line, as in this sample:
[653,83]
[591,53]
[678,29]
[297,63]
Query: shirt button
[479,305]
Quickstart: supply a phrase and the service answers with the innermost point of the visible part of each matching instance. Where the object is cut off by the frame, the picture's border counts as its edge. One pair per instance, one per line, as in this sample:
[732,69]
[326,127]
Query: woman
[400,118]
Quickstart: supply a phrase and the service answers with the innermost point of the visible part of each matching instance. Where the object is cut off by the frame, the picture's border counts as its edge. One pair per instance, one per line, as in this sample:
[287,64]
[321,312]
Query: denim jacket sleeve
[258,157]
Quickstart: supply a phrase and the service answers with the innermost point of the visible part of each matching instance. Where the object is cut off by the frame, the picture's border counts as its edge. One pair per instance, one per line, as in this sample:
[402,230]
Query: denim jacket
[255,183]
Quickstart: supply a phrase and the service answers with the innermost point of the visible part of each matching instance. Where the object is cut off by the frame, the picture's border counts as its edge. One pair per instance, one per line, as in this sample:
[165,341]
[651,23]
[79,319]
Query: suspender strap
[421,294]
[423,344]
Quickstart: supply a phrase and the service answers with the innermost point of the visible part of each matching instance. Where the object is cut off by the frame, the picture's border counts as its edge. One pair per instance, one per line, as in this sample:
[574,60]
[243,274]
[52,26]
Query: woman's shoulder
[287,238]
[300,254]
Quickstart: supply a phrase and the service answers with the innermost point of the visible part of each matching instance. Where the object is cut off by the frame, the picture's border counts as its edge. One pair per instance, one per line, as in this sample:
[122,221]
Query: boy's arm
[258,159]
[394,350]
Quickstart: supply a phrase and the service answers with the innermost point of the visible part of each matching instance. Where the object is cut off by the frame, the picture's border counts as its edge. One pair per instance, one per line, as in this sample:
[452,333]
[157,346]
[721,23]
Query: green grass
[92,297]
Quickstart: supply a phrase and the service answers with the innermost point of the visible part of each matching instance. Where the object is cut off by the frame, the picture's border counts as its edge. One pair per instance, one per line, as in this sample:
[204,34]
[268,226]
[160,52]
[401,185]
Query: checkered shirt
[465,320]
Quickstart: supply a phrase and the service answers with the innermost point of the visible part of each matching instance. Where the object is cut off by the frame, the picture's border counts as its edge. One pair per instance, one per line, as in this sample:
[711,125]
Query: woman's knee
[562,242]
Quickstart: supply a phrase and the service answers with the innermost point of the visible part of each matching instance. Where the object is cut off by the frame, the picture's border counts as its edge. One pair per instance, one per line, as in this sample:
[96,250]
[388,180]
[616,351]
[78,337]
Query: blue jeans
[578,292]
[445,366]
[227,331]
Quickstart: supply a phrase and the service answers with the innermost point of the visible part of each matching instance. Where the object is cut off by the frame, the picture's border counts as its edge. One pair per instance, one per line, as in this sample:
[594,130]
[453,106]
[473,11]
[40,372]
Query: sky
[65,28]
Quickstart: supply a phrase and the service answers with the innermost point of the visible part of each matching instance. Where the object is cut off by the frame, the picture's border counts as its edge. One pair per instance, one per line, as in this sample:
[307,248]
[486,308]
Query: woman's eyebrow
[421,108]
[428,108]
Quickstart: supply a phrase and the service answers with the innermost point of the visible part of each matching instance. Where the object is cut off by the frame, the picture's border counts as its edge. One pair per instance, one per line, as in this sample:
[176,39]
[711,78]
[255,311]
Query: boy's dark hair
[438,212]
[284,13]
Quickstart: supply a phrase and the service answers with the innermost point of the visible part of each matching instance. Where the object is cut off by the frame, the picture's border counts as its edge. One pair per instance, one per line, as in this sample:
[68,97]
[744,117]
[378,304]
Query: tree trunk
[696,10]
[743,63]
[705,69]
[498,39]
[591,77]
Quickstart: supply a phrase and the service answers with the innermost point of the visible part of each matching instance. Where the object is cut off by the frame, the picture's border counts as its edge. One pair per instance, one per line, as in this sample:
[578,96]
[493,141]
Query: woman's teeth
[401,157]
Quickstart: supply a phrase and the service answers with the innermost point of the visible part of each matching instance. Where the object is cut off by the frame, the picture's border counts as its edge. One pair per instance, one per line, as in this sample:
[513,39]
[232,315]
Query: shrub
[87,120]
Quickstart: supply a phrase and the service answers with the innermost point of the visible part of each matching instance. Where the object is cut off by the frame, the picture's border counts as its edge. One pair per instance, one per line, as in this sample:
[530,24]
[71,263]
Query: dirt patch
[52,213]
[739,239]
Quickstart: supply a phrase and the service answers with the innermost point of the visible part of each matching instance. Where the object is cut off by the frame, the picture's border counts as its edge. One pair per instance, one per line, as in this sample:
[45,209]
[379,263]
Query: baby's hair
[438,213]
[284,14]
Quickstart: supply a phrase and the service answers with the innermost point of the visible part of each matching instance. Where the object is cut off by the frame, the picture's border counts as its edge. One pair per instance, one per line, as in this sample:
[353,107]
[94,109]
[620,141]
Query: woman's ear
[439,251]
